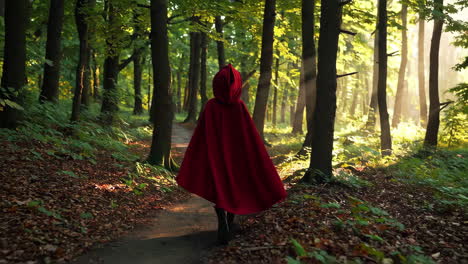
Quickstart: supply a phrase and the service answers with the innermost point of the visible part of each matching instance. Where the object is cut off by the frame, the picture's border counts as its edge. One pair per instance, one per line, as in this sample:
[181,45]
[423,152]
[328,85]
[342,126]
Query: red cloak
[226,161]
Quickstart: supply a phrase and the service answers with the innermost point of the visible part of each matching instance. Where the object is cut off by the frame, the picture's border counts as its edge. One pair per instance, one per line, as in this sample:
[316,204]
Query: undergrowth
[49,124]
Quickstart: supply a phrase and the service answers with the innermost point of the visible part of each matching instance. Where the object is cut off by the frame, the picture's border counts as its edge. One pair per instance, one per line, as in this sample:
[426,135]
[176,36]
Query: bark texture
[385,137]
[397,112]
[421,75]
[309,58]
[82,27]
[320,169]
[433,122]
[266,60]
[14,61]
[50,84]
[160,153]
[220,44]
[194,77]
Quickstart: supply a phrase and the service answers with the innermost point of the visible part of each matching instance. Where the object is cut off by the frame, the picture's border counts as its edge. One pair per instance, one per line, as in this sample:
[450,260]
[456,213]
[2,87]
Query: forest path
[179,234]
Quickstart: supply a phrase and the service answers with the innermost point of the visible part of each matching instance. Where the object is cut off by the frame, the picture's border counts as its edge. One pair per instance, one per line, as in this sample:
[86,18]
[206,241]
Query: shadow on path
[179,234]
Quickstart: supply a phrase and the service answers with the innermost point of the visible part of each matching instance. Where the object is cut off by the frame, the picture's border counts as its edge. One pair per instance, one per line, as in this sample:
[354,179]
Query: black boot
[223,227]
[231,224]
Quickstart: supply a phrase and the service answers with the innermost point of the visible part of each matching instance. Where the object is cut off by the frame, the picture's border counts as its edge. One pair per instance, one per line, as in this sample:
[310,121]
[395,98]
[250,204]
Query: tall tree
[2,8]
[96,77]
[14,62]
[284,101]
[50,84]
[385,137]
[82,27]
[194,75]
[324,115]
[204,48]
[160,153]
[266,60]
[300,105]
[111,62]
[220,43]
[138,63]
[421,68]
[275,92]
[310,67]
[370,124]
[432,129]
[401,73]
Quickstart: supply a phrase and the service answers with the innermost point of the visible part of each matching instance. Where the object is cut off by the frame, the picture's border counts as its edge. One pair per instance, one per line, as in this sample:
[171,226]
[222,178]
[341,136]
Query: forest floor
[54,207]
[81,207]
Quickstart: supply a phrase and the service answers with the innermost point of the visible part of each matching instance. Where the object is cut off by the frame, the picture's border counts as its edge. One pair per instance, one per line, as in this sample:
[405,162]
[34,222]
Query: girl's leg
[230,220]
[223,226]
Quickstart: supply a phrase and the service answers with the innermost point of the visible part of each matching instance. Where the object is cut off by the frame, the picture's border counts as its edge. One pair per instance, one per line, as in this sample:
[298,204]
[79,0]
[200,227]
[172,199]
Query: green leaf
[375,237]
[331,205]
[34,203]
[70,173]
[300,251]
[86,215]
[292,261]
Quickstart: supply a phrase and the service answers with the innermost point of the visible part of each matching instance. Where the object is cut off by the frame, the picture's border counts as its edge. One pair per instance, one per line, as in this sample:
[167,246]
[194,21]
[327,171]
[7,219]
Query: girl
[226,161]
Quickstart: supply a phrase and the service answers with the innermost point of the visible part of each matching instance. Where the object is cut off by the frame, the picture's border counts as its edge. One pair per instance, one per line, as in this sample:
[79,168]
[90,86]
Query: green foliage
[443,171]
[137,179]
[455,119]
[320,255]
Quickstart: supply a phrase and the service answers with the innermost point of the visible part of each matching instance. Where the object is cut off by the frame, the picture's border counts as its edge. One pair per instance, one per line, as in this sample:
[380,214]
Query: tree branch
[346,74]
[247,77]
[180,21]
[348,32]
[445,104]
[392,53]
[144,6]
[345,2]
[126,62]
[172,17]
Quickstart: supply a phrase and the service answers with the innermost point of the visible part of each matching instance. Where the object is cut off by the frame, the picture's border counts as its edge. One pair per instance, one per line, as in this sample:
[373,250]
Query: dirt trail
[179,234]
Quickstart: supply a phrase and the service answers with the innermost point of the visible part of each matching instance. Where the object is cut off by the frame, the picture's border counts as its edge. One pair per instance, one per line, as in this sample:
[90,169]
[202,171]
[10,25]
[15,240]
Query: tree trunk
[300,105]
[220,44]
[275,92]
[111,70]
[50,86]
[402,71]
[266,59]
[352,110]
[432,129]
[292,111]
[385,137]
[421,77]
[310,68]
[204,48]
[96,78]
[82,27]
[194,76]
[179,91]
[137,78]
[14,62]
[86,94]
[150,79]
[109,98]
[370,124]
[284,101]
[320,169]
[160,153]
[245,89]
[2,8]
